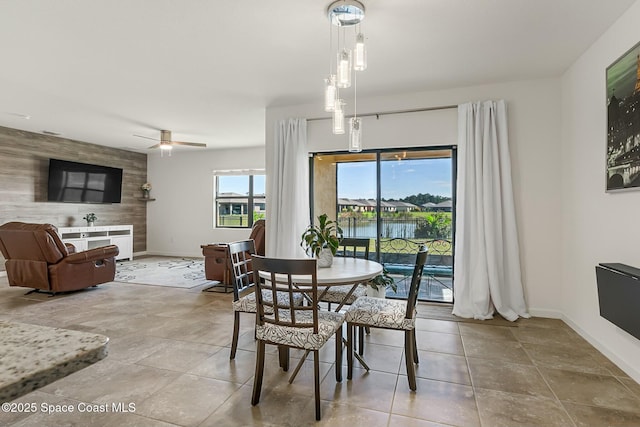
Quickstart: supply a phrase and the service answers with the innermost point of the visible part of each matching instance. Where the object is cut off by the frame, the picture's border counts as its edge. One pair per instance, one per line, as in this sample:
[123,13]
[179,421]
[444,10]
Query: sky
[240,184]
[399,178]
[357,180]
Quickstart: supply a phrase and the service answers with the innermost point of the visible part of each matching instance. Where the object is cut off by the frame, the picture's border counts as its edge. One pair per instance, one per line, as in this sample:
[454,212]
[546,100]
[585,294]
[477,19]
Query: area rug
[162,271]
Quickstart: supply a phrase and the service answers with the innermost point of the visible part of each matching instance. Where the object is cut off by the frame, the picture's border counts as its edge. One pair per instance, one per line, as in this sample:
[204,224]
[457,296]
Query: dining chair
[290,325]
[244,297]
[347,294]
[390,314]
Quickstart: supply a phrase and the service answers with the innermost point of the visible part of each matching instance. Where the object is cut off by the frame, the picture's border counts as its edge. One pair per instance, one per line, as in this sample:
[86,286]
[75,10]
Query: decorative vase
[89,223]
[381,292]
[145,194]
[325,258]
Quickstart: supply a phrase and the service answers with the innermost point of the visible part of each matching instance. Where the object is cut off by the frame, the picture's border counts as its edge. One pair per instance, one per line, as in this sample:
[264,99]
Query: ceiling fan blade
[146,137]
[191,144]
[155,146]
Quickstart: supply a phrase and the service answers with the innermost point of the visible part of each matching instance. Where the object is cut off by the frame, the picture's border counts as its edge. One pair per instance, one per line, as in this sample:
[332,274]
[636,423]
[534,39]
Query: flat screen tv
[74,182]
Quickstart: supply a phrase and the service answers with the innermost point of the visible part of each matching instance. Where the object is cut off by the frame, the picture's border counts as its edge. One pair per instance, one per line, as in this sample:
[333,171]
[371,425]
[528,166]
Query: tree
[434,226]
[420,199]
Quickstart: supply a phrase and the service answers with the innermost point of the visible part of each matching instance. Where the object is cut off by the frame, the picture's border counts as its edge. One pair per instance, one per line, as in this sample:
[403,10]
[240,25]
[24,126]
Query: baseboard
[147,253]
[630,370]
[173,254]
[544,312]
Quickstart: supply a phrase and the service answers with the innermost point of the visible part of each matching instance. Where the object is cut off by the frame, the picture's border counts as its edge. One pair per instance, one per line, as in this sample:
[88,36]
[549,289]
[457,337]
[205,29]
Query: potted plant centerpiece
[322,240]
[91,218]
[377,287]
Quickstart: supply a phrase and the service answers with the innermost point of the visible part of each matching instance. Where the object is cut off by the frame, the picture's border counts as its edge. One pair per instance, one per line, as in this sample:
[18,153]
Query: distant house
[369,205]
[444,206]
[238,204]
[404,207]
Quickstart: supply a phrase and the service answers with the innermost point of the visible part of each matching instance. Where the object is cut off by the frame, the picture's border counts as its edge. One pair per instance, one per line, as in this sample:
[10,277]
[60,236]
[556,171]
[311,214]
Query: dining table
[344,271]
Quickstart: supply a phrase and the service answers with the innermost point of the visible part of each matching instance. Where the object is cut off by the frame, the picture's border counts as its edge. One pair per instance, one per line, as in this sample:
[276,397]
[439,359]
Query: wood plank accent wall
[24,168]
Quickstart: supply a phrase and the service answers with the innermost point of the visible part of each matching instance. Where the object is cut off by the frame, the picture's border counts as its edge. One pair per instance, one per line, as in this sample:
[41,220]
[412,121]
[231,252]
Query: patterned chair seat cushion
[328,324]
[336,294]
[248,304]
[380,313]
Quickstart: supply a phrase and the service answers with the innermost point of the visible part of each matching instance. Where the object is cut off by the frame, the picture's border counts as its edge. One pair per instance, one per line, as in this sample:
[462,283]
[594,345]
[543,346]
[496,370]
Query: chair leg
[411,367]
[257,380]
[361,340]
[415,347]
[283,355]
[236,332]
[316,375]
[339,354]
[349,351]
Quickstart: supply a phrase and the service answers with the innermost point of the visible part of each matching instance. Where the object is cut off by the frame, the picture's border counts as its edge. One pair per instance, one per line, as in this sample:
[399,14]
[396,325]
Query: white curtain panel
[288,181]
[487,254]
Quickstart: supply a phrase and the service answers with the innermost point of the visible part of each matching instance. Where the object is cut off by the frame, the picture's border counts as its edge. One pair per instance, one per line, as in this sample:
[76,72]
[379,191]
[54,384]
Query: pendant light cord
[330,47]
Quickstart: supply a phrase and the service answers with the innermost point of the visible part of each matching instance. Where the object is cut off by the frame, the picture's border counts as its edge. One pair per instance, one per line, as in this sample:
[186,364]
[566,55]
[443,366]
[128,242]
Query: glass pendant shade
[330,93]
[360,54]
[355,135]
[165,148]
[344,69]
[338,118]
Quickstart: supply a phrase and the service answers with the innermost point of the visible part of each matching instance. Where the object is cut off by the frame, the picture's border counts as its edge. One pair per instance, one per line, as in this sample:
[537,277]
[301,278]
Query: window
[399,199]
[240,199]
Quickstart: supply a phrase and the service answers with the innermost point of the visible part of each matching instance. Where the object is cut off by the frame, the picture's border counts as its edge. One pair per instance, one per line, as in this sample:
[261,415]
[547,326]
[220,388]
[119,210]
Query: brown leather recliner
[216,257]
[37,258]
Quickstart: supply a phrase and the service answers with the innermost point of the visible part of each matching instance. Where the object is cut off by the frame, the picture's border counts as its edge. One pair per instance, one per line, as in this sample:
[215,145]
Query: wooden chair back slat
[416,278]
[284,276]
[351,246]
[240,258]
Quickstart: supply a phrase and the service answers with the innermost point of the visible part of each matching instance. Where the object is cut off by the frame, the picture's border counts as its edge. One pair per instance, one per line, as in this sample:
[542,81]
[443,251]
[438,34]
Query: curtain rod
[387,113]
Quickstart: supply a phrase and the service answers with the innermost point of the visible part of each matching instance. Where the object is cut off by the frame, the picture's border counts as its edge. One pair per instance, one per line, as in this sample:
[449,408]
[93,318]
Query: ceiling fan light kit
[166,143]
[343,14]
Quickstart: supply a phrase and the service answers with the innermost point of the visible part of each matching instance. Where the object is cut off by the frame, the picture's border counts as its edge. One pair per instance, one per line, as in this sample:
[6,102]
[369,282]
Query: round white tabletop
[345,270]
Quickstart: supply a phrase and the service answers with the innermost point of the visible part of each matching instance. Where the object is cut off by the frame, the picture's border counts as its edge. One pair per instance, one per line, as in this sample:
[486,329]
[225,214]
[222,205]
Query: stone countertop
[32,356]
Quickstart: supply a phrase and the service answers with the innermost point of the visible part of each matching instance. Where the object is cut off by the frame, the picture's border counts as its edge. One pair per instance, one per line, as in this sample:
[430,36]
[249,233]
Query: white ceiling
[103,70]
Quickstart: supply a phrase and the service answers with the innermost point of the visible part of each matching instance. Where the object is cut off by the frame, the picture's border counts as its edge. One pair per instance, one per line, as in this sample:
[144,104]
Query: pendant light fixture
[338,117]
[350,55]
[360,54]
[355,124]
[330,93]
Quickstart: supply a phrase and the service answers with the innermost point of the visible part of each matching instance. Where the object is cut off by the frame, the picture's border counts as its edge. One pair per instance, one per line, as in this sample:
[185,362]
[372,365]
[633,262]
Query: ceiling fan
[166,143]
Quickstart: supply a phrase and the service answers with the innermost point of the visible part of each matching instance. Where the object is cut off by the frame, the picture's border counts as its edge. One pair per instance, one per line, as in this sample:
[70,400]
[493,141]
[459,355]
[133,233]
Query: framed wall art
[623,122]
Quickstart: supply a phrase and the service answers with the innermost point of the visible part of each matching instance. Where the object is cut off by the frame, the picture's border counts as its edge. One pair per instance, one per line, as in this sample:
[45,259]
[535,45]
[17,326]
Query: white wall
[534,132]
[181,217]
[597,226]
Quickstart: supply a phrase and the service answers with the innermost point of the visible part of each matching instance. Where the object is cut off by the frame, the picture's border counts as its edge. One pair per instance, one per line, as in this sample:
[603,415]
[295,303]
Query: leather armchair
[216,255]
[36,258]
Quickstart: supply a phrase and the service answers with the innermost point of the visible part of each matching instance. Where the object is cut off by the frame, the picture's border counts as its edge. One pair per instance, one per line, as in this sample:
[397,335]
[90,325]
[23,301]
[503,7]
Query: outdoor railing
[398,257]
[391,227]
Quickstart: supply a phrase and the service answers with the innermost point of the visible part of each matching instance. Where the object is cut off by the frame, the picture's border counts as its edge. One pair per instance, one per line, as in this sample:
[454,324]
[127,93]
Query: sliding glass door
[399,200]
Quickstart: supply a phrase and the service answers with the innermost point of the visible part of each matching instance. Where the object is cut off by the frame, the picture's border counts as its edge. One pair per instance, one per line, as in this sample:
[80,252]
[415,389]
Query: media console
[84,238]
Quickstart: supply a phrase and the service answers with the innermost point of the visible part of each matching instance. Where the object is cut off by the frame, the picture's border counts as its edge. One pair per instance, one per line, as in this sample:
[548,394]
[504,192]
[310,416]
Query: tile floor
[169,356]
